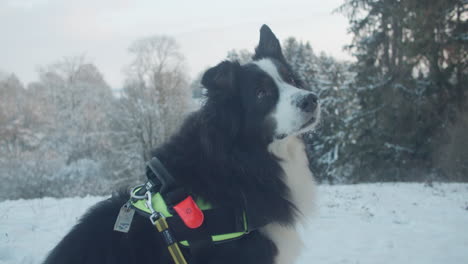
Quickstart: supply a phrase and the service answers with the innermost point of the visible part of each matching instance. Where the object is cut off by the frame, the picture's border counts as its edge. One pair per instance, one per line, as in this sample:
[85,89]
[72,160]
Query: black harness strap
[200,243]
[217,222]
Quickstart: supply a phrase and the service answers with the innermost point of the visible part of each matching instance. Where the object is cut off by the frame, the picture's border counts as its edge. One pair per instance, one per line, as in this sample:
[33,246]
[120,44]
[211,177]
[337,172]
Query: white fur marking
[300,181]
[289,118]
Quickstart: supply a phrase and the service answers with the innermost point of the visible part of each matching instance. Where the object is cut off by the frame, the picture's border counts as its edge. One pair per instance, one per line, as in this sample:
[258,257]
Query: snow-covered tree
[60,132]
[411,83]
[156,94]
[302,59]
[243,56]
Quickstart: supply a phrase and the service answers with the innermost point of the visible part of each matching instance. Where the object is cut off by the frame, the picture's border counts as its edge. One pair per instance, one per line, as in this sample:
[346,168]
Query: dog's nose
[308,103]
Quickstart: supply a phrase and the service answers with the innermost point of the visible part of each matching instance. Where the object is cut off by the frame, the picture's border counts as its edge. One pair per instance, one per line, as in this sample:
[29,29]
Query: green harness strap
[159,205]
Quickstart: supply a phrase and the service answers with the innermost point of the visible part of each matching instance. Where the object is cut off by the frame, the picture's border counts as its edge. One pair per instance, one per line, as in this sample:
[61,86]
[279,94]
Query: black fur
[220,154]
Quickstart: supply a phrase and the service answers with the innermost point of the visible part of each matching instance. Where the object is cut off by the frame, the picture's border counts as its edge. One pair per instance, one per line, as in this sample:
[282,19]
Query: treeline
[411,84]
[398,113]
[69,134]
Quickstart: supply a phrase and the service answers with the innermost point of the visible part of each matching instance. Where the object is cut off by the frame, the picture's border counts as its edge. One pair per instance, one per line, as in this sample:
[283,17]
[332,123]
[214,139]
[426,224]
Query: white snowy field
[366,223]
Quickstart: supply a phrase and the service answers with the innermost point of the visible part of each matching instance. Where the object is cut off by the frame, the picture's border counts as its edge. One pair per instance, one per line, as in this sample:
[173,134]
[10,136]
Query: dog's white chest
[300,181]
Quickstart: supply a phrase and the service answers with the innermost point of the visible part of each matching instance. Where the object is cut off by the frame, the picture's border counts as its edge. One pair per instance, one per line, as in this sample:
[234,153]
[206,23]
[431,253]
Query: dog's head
[269,98]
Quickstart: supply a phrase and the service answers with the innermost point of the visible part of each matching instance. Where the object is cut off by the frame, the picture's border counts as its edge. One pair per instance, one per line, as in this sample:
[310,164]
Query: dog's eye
[261,92]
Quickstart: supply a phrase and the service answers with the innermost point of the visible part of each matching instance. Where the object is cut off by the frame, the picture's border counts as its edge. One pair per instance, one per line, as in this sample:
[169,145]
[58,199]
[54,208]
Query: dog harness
[180,219]
[221,225]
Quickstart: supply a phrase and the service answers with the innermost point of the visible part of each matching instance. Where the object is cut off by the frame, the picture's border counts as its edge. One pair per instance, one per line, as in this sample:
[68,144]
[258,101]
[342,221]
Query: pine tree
[411,66]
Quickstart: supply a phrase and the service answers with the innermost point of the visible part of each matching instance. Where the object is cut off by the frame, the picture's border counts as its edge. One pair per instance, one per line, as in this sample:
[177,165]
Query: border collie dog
[241,147]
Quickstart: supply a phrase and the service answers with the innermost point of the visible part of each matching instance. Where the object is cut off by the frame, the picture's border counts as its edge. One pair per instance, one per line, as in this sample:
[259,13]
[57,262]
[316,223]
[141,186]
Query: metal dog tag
[124,219]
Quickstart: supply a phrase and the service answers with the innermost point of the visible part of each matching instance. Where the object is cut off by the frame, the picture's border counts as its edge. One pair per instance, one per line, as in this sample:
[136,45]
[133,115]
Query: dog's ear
[221,77]
[268,46]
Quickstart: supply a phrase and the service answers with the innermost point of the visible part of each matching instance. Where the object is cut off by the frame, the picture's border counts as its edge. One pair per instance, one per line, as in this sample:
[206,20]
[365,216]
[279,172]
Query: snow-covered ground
[366,223]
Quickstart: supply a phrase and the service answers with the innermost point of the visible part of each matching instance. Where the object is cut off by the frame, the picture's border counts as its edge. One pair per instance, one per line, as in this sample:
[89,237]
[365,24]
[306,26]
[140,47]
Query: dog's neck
[227,173]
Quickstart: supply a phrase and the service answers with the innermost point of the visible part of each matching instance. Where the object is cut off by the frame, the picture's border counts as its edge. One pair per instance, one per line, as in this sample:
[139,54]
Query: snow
[30,228]
[389,223]
[365,223]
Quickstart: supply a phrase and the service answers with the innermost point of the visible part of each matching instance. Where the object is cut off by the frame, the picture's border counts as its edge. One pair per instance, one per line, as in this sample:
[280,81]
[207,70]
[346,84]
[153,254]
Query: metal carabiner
[149,204]
[134,195]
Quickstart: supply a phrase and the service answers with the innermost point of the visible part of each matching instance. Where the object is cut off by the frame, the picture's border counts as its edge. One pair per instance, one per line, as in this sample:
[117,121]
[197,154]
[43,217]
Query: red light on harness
[190,213]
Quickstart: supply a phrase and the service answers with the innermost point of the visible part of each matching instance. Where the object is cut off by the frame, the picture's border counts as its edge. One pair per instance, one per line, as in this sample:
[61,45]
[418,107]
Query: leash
[159,220]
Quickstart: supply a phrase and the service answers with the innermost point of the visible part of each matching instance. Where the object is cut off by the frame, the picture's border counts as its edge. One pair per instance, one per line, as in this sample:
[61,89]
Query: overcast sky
[40,32]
